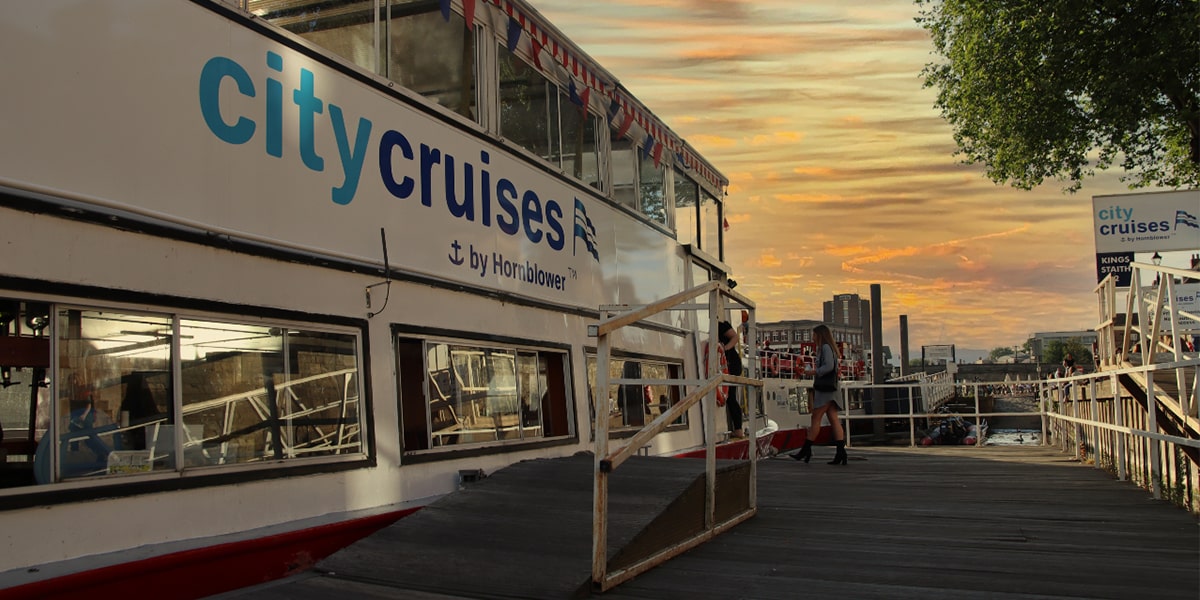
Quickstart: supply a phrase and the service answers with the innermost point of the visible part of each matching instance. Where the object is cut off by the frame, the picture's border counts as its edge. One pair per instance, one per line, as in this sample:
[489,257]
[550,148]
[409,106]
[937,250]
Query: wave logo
[584,230]
[1183,217]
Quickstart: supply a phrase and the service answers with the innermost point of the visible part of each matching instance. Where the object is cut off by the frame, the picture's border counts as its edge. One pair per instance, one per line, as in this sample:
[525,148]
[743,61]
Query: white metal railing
[1097,416]
[613,317]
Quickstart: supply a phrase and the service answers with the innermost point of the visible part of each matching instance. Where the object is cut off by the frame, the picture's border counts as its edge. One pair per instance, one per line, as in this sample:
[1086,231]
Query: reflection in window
[25,404]
[479,394]
[114,394]
[687,209]
[432,57]
[652,190]
[625,163]
[423,52]
[710,223]
[344,27]
[254,392]
[540,117]
[632,406]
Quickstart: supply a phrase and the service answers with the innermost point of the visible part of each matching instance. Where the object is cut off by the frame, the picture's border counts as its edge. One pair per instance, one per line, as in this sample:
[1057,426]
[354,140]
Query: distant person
[733,360]
[1069,364]
[824,400]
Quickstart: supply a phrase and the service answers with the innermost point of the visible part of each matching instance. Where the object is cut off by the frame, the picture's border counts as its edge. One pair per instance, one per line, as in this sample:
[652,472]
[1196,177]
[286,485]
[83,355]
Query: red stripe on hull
[209,570]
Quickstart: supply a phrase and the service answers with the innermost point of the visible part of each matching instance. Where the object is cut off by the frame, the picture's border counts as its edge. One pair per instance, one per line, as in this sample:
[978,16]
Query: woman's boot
[839,457]
[805,453]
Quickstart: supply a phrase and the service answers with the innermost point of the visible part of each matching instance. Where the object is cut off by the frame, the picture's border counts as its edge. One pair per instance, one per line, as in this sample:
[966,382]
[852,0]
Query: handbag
[826,382]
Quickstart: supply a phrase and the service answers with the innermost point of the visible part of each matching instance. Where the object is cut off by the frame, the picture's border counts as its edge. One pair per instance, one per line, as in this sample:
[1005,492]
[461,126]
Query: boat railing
[1115,420]
[784,364]
[703,391]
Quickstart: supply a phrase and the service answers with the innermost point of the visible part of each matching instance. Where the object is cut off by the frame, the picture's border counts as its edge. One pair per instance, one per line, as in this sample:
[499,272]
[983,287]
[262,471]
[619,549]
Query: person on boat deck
[824,403]
[733,360]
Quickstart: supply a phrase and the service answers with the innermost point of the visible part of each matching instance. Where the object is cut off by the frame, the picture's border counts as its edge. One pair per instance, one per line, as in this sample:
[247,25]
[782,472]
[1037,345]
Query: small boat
[955,430]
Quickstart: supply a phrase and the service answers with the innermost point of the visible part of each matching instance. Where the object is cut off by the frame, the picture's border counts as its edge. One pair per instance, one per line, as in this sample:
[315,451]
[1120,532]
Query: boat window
[687,209]
[632,406]
[419,47]
[345,28]
[625,163]
[652,190]
[114,399]
[455,394]
[112,405]
[432,57]
[256,392]
[711,223]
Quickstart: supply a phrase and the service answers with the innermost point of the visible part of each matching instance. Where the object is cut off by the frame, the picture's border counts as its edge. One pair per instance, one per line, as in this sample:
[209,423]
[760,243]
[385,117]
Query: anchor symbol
[456,258]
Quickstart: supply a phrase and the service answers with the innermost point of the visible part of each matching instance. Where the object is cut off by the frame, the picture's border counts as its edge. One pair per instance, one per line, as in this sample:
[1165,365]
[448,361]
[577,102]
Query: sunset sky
[842,173]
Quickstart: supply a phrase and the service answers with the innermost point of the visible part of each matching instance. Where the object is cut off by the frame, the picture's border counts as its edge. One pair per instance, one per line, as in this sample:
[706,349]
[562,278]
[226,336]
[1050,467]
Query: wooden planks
[930,523]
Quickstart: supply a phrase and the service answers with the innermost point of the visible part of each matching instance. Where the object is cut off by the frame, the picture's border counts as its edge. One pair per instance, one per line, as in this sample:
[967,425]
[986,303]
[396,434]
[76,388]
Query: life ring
[773,364]
[722,393]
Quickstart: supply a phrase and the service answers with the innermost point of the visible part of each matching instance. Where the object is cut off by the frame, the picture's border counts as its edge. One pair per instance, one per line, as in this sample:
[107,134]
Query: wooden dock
[924,523]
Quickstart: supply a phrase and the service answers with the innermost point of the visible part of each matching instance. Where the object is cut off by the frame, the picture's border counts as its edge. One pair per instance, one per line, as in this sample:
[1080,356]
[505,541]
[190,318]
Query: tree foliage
[999,352]
[1056,349]
[1059,88]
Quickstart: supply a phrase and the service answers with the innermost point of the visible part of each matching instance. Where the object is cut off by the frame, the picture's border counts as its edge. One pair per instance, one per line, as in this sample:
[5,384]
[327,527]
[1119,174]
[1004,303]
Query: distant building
[1041,340]
[785,336]
[849,310]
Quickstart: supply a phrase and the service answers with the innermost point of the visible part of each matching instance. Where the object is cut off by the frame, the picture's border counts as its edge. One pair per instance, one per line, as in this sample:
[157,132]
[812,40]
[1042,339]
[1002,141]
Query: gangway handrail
[607,462]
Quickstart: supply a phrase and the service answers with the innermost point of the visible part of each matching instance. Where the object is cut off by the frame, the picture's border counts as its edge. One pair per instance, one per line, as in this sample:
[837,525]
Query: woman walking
[825,396]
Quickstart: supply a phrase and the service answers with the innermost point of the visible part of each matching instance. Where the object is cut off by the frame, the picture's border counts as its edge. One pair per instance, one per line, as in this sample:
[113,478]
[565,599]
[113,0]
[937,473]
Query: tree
[1060,88]
[1057,349]
[997,353]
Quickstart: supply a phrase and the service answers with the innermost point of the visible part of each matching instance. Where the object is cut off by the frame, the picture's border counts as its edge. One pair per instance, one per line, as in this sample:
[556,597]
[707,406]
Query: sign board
[1187,299]
[1117,264]
[1147,222]
[933,354]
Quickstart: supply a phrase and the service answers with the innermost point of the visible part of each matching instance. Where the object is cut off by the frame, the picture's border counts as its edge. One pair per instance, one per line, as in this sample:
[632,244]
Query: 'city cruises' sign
[1148,222]
[424,175]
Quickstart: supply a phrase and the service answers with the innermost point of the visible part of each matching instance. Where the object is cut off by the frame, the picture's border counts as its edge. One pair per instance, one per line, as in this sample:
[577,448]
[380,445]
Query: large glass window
[687,209]
[256,392]
[631,406]
[625,163]
[420,50]
[432,57]
[114,406]
[539,116]
[455,394]
[345,27]
[245,393]
[710,223]
[652,190]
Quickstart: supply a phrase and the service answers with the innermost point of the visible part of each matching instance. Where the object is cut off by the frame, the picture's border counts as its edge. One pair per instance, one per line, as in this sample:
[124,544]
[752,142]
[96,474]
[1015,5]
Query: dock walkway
[923,523]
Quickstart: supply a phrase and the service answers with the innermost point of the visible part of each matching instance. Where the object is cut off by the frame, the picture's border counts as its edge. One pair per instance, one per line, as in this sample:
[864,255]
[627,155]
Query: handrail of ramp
[612,318]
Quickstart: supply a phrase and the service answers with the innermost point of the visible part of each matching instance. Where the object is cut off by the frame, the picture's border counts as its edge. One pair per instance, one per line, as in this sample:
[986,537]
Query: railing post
[600,489]
[1122,439]
[1095,410]
[912,421]
[978,424]
[1152,444]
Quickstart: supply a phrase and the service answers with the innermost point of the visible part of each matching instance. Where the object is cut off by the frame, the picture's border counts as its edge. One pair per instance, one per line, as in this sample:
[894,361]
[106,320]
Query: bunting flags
[537,53]
[580,98]
[622,113]
[469,13]
[514,34]
[585,230]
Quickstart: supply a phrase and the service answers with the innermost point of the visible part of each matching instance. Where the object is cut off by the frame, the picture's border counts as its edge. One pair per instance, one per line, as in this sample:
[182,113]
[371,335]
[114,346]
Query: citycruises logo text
[404,170]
